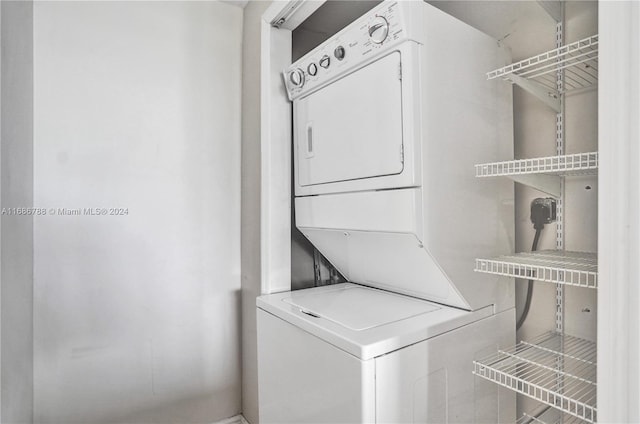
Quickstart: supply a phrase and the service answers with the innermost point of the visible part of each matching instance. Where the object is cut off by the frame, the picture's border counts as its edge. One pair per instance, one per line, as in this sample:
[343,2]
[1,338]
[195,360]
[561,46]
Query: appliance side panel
[467,120]
[303,379]
[432,381]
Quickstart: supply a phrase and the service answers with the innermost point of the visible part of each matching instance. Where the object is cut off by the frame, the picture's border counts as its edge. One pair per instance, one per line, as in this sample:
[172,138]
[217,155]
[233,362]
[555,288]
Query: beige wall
[137,317]
[250,203]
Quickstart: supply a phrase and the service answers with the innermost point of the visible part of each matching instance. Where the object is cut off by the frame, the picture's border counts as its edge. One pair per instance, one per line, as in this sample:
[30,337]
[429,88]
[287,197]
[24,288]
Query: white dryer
[390,117]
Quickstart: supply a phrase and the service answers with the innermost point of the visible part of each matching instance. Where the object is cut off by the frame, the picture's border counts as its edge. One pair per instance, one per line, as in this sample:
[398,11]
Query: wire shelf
[578,60]
[564,165]
[553,266]
[549,415]
[555,369]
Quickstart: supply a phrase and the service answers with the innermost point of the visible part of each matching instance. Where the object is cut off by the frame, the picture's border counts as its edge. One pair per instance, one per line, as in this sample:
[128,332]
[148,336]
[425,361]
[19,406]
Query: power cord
[543,211]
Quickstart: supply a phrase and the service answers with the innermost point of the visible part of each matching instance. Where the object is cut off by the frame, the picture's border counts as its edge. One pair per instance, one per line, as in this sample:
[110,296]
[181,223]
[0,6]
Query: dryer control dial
[378,29]
[325,61]
[296,77]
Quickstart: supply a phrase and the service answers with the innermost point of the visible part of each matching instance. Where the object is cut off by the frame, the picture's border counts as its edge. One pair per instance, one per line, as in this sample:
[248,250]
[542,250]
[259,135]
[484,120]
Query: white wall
[250,204]
[16,261]
[619,232]
[137,317]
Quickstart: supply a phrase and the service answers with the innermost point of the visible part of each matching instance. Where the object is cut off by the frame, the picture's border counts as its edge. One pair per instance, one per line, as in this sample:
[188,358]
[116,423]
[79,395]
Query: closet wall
[250,200]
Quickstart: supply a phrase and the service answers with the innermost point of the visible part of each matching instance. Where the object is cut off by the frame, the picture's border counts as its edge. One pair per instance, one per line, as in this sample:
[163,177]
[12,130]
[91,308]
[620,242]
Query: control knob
[296,77]
[378,29]
[312,69]
[325,61]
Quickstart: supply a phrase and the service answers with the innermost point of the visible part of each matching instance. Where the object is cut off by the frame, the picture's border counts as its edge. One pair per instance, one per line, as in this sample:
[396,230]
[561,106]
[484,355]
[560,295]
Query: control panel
[356,43]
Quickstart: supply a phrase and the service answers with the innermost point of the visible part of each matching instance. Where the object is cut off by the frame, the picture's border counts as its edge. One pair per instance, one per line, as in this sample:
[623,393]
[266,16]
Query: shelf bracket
[553,8]
[549,97]
[549,184]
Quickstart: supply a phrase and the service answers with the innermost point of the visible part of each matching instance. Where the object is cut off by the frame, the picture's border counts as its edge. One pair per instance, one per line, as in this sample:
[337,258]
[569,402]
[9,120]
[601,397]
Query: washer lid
[363,321]
[359,308]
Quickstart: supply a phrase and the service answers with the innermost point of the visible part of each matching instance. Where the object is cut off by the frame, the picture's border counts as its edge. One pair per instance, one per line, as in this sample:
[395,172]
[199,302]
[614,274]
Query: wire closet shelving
[578,60]
[549,415]
[579,269]
[543,173]
[564,165]
[555,369]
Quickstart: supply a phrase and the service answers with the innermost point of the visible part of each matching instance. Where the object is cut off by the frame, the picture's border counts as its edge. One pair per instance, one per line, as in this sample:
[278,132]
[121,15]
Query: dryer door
[352,128]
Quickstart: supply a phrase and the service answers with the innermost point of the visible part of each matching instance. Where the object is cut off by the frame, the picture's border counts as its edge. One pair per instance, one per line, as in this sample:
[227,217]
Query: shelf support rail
[560,363]
[549,97]
[549,184]
[560,198]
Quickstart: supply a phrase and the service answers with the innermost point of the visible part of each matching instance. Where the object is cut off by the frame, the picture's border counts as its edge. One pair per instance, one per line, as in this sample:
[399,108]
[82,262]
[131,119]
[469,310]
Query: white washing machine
[390,117]
[354,354]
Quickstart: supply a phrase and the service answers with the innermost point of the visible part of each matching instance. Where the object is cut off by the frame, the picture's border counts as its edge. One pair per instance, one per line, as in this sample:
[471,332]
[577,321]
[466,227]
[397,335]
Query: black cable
[527,303]
[543,211]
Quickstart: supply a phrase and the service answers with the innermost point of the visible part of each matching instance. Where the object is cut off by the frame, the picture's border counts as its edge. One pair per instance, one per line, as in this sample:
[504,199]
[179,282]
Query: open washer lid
[363,321]
[359,308]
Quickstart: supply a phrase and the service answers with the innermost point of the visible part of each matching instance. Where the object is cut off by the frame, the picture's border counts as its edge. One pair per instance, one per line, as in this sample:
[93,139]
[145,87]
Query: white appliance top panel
[375,33]
[344,315]
[360,308]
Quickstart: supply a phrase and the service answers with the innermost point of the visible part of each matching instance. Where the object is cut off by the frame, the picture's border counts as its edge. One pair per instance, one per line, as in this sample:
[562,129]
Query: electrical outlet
[543,211]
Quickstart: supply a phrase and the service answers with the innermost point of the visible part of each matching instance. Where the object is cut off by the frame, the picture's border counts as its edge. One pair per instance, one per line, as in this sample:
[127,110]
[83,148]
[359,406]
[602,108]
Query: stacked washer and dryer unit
[390,116]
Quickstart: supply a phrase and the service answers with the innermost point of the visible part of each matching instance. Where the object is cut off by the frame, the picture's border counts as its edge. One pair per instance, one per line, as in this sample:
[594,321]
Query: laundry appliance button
[325,61]
[312,69]
[296,77]
[339,52]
